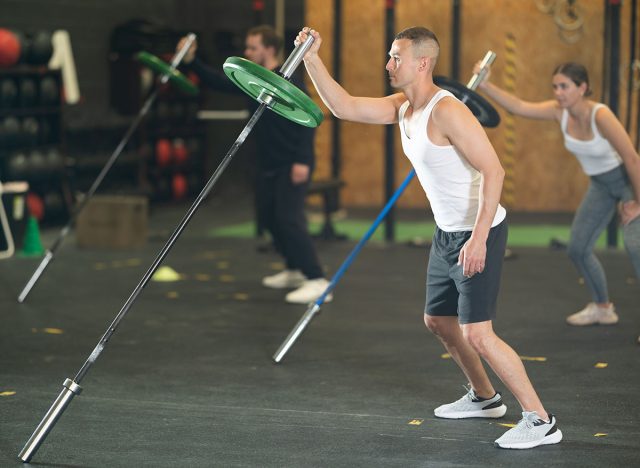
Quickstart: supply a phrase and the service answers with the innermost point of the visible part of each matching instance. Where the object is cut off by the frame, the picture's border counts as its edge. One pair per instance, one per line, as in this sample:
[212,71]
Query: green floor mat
[354,229]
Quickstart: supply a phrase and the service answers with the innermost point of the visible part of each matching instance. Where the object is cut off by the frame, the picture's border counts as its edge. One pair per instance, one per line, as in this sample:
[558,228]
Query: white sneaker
[284,279]
[531,432]
[592,315]
[309,292]
[471,406]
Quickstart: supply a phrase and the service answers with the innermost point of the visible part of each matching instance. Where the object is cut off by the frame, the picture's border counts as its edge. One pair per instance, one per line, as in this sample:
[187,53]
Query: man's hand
[191,53]
[302,36]
[629,211]
[472,257]
[299,173]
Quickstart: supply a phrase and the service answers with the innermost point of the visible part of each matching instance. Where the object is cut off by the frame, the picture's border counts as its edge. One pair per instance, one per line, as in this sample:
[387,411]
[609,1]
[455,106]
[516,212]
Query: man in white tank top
[462,176]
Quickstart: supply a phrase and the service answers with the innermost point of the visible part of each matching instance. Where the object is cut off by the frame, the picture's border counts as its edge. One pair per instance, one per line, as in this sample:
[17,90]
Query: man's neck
[420,94]
[271,63]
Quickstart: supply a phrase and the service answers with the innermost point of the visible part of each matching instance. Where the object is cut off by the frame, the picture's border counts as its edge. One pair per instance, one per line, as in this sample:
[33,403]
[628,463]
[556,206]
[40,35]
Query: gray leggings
[593,215]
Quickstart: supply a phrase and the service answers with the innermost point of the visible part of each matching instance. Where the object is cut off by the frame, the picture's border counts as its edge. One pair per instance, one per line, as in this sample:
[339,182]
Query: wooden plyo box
[113,221]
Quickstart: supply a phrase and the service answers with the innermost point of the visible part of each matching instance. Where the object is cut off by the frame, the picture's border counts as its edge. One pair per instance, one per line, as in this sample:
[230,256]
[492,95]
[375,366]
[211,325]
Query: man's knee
[440,326]
[479,337]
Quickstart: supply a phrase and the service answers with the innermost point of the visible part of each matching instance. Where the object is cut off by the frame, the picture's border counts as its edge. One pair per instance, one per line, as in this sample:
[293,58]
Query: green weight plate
[175,77]
[288,100]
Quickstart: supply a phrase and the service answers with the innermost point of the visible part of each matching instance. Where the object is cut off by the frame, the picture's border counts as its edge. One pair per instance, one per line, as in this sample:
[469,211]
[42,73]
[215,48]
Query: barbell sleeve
[477,78]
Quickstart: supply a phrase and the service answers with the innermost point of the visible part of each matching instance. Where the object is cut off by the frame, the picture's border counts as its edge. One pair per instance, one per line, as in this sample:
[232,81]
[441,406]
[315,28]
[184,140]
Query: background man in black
[285,164]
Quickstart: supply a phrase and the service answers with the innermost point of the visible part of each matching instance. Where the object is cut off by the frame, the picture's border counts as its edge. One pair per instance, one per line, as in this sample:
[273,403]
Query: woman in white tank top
[600,143]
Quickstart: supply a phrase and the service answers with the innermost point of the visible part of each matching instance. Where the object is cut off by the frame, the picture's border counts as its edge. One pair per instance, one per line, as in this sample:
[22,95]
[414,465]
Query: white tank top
[452,185]
[596,156]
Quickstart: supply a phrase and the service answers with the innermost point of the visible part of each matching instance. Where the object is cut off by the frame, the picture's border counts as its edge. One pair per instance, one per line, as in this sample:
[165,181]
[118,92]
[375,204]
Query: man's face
[255,50]
[402,65]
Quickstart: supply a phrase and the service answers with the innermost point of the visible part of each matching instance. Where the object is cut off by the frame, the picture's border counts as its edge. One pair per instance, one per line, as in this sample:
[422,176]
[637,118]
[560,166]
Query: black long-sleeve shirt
[280,141]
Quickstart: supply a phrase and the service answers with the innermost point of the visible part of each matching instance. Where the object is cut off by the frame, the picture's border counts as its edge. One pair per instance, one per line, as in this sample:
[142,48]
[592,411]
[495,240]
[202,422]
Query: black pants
[280,209]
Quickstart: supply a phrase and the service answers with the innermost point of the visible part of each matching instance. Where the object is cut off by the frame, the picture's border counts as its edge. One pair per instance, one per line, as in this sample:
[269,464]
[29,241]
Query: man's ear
[425,62]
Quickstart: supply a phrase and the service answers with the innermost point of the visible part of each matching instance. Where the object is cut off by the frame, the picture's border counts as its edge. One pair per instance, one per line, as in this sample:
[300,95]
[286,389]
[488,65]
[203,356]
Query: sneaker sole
[281,286]
[554,438]
[589,324]
[489,413]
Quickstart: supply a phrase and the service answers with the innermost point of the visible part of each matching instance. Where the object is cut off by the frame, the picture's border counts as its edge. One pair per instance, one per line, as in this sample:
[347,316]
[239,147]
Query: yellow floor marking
[600,434]
[533,358]
[580,280]
[416,422]
[241,296]
[133,262]
[445,356]
[7,393]
[276,265]
[50,331]
[213,254]
[227,278]
[506,425]
[202,277]
[223,265]
[166,274]
[173,295]
[117,264]
[100,266]
[600,365]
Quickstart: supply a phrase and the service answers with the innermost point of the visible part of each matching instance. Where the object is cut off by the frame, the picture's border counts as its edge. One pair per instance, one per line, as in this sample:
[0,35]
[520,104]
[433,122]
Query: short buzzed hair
[270,38]
[421,39]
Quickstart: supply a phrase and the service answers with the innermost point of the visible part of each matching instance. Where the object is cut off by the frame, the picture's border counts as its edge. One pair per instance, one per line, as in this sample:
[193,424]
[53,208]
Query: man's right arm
[214,79]
[341,104]
[210,77]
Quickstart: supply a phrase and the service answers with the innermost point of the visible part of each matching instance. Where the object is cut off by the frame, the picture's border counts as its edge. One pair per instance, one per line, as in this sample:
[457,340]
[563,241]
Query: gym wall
[541,175]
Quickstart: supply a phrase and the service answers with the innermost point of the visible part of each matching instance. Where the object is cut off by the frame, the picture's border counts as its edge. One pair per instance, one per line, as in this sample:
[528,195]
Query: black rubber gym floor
[188,380]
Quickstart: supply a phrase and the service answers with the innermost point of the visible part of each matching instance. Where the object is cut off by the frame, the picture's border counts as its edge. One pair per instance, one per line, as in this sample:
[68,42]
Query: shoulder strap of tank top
[434,100]
[563,120]
[403,110]
[594,127]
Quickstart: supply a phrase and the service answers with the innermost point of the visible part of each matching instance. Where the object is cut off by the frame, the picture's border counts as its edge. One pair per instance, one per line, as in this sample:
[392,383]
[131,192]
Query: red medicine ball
[163,152]
[179,186]
[9,48]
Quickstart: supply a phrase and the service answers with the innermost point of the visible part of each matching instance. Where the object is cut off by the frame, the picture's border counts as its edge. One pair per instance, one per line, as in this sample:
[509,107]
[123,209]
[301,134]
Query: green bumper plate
[175,77]
[287,100]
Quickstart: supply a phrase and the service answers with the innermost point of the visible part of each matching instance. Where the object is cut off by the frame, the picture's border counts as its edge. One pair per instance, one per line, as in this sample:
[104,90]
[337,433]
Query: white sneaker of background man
[285,279]
[307,290]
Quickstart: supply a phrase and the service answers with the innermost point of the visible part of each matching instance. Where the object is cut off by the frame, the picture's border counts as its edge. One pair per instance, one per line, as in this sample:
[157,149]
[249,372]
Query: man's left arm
[464,132]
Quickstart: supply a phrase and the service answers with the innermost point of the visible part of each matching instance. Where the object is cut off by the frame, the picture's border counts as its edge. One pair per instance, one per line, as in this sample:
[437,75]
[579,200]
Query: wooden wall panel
[363,74]
[543,176]
[320,17]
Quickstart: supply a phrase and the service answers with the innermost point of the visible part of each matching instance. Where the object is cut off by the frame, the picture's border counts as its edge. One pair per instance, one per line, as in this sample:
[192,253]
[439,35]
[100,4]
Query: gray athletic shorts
[449,292]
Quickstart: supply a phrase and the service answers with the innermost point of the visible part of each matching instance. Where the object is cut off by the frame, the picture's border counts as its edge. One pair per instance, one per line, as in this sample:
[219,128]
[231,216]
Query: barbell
[167,73]
[289,104]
